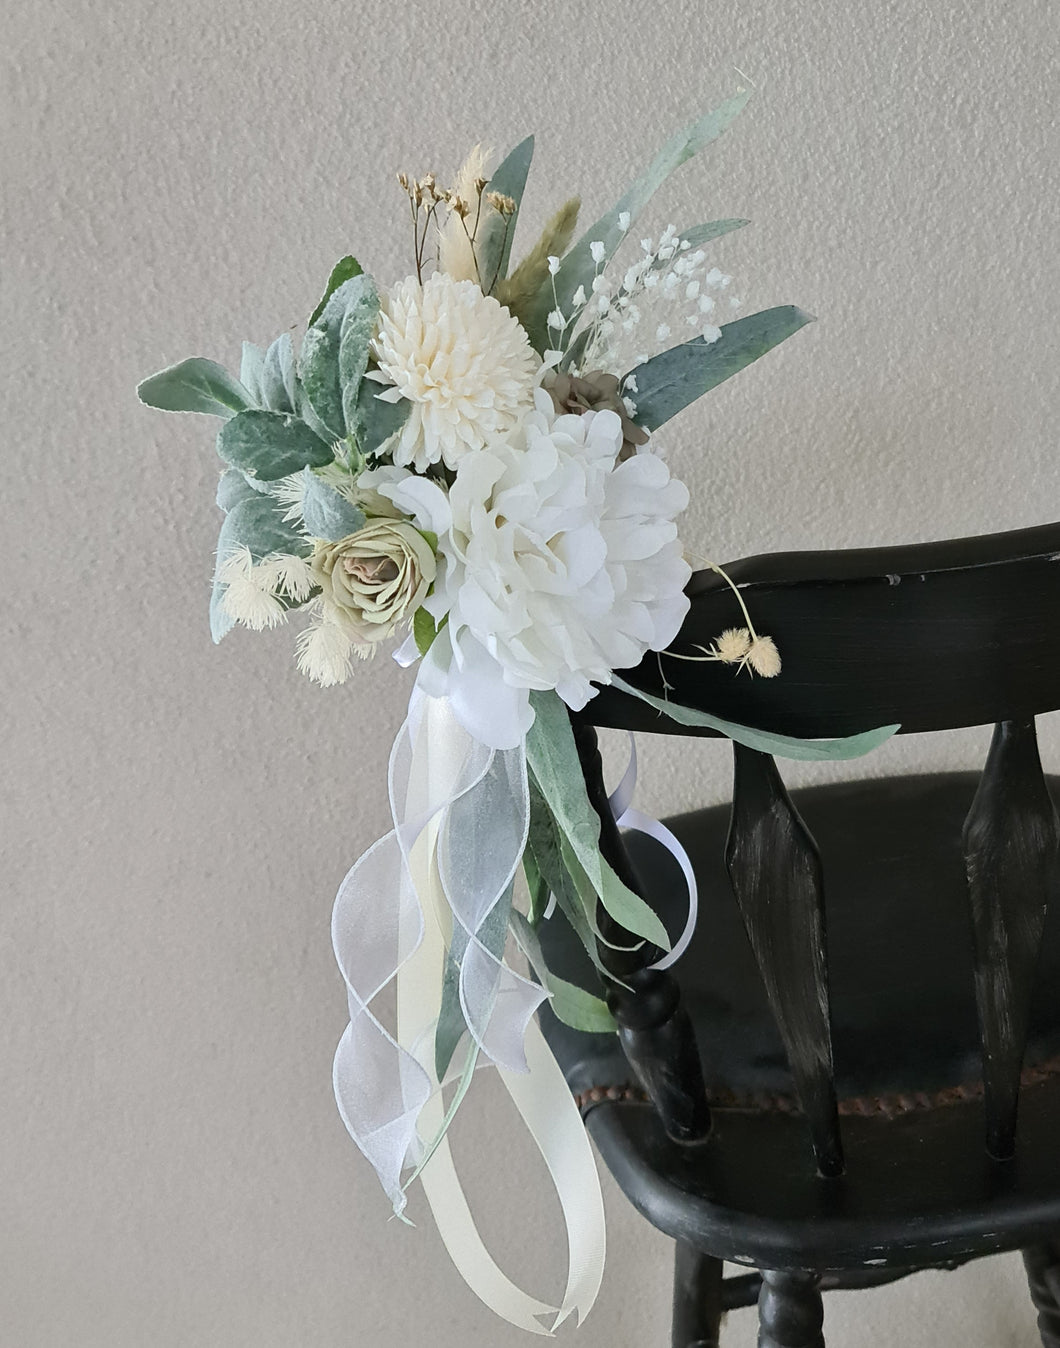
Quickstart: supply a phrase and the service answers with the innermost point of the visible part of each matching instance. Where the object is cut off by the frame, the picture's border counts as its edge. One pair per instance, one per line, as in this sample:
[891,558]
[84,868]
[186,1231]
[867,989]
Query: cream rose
[371,580]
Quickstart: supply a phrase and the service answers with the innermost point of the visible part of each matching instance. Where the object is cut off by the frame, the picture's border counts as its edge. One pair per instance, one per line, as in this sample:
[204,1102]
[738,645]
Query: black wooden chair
[841,1111]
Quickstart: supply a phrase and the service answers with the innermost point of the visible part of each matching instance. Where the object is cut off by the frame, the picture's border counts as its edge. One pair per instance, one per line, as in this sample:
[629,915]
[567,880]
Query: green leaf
[578,268]
[545,850]
[374,421]
[232,488]
[358,324]
[494,245]
[250,367]
[451,1024]
[319,362]
[571,1004]
[270,445]
[326,512]
[195,385]
[344,270]
[279,382]
[766,741]
[667,383]
[553,758]
[256,523]
[424,630]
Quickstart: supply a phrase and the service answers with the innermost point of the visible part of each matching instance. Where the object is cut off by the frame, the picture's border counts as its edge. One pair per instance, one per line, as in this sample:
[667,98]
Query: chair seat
[918,1180]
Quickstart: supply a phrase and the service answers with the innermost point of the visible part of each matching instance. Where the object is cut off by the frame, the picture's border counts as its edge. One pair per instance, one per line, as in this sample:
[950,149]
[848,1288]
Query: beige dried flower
[733,645]
[371,580]
[763,657]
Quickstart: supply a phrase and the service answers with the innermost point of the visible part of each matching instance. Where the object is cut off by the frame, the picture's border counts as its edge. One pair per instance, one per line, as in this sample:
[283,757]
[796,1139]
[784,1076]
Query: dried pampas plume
[520,291]
[456,255]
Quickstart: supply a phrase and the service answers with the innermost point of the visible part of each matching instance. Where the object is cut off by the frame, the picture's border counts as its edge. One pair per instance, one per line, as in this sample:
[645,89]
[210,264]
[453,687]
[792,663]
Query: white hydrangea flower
[563,563]
[462,361]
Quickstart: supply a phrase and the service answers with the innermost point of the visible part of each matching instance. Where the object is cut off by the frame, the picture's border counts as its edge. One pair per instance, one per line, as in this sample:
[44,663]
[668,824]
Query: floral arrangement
[466,463]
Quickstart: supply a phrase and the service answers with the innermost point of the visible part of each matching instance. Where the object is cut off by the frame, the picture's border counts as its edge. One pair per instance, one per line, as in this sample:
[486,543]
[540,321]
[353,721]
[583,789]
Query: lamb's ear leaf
[251,365]
[494,246]
[344,270]
[373,420]
[319,361]
[669,382]
[270,445]
[279,382]
[327,513]
[195,385]
[358,325]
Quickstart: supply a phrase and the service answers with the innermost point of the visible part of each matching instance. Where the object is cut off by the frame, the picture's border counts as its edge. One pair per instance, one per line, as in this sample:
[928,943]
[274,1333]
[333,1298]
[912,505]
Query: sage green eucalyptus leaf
[451,1024]
[358,325]
[549,867]
[319,362]
[669,382]
[578,268]
[373,421]
[553,758]
[257,523]
[270,445]
[279,381]
[574,1006]
[493,247]
[327,513]
[344,270]
[766,741]
[195,385]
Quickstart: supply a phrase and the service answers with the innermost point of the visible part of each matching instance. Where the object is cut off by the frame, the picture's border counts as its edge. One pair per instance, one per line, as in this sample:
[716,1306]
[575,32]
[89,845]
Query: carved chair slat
[1011,846]
[653,1027]
[775,871]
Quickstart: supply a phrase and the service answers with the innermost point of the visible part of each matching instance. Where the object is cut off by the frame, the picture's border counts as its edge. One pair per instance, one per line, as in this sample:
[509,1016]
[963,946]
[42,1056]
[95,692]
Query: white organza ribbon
[620,803]
[461,814]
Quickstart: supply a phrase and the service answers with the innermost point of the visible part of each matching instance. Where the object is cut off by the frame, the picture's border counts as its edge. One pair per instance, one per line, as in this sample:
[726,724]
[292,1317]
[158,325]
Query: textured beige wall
[178,176]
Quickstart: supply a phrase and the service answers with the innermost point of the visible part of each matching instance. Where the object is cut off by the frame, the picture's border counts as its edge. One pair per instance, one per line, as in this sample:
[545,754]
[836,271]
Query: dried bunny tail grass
[456,253]
[521,289]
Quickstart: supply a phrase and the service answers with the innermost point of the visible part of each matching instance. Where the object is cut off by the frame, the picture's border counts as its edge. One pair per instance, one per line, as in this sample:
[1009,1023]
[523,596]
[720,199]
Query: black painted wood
[932,636]
[653,1027]
[790,1310]
[775,871]
[697,1298]
[1042,1263]
[1012,847]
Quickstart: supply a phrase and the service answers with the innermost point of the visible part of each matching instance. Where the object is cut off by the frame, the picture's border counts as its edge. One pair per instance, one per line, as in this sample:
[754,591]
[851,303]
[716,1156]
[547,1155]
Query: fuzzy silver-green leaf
[270,445]
[195,385]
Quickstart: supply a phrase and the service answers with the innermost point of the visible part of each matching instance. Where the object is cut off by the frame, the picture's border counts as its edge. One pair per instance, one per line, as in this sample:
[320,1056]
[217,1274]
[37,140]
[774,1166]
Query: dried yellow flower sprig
[741,646]
[465,201]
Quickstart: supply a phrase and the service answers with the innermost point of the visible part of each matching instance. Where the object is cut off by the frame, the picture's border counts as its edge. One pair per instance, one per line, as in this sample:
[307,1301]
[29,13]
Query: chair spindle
[1011,841]
[775,870]
[653,1027]
[697,1298]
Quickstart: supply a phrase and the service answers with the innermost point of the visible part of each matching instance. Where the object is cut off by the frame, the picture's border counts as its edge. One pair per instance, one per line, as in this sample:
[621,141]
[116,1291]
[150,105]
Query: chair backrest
[932,636]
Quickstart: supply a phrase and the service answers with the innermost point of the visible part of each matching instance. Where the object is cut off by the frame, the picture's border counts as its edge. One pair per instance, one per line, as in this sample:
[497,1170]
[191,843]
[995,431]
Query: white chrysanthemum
[564,563]
[462,361]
